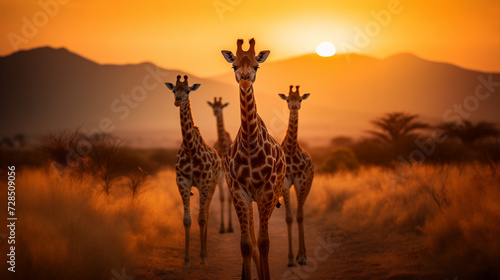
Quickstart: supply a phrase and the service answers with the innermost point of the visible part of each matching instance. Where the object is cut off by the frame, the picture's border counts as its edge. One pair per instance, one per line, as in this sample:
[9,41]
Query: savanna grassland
[89,220]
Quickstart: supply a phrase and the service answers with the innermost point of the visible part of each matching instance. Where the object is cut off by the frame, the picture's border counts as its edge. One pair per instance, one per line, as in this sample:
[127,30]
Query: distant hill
[347,91]
[46,89]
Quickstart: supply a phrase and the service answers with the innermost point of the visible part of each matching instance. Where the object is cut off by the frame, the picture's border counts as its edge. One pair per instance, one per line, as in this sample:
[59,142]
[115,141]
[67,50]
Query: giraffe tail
[278,205]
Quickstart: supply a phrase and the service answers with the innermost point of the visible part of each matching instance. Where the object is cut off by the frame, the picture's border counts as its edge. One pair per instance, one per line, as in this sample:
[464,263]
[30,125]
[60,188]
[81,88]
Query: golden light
[325,49]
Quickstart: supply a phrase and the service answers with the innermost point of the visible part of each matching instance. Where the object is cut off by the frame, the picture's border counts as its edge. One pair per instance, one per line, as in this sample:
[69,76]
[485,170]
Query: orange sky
[189,35]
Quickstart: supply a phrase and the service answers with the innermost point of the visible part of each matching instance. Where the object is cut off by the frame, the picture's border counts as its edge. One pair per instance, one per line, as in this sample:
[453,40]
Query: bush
[341,159]
[58,148]
[371,152]
[103,158]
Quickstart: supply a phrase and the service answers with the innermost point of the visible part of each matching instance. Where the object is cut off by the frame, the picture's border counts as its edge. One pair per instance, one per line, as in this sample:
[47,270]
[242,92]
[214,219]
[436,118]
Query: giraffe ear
[194,87]
[262,56]
[305,96]
[210,104]
[282,96]
[170,86]
[224,106]
[229,56]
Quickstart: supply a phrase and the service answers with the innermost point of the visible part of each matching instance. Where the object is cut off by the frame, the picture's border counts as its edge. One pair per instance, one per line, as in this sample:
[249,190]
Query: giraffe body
[222,146]
[197,165]
[254,166]
[299,173]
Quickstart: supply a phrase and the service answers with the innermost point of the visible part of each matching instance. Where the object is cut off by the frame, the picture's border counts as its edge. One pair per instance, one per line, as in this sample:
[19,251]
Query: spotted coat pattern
[198,165]
[222,146]
[254,167]
[299,173]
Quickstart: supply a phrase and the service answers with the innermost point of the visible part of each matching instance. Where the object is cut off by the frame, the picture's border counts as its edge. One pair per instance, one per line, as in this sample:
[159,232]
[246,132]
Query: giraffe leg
[206,194]
[185,191]
[301,257]
[210,196]
[289,221]
[255,252]
[241,204]
[263,242]
[301,198]
[220,184]
[229,211]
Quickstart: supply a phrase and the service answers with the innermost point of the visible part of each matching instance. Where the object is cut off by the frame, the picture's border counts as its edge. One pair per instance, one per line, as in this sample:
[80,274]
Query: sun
[325,49]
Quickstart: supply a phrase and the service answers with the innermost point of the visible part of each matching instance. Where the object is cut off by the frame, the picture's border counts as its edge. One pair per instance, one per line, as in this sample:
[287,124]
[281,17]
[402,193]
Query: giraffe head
[245,63]
[294,99]
[217,106]
[181,90]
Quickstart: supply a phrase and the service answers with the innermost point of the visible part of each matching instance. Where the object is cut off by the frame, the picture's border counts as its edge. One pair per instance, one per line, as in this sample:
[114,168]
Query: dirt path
[334,251]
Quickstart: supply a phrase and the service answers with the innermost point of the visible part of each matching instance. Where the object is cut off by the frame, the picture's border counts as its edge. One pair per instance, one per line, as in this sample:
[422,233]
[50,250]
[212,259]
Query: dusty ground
[335,250]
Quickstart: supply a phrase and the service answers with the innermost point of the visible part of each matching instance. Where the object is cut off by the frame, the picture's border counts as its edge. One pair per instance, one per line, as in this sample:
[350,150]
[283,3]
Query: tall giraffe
[254,166]
[197,165]
[299,173]
[221,146]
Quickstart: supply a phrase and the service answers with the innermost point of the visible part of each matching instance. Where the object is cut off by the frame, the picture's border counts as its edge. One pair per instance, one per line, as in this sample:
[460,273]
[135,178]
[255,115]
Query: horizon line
[215,75]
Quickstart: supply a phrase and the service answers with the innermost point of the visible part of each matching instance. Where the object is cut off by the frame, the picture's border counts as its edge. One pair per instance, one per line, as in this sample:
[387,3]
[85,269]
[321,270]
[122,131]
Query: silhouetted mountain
[46,89]
[347,91]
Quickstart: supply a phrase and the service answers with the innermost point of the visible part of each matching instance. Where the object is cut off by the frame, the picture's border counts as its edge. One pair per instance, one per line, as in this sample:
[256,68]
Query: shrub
[341,159]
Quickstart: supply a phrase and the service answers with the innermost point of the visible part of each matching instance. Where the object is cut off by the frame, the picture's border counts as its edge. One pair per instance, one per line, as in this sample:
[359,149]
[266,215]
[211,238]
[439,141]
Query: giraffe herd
[254,167]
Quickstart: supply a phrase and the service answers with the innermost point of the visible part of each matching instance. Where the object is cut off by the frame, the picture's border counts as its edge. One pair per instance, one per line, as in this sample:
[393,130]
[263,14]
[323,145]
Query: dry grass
[69,229]
[465,236]
[455,208]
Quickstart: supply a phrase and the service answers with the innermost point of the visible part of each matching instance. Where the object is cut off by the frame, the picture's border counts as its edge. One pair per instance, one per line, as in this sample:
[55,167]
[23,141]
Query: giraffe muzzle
[245,77]
[245,84]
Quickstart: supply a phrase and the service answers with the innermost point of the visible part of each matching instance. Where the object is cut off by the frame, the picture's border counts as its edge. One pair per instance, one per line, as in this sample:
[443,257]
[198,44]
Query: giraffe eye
[234,68]
[255,68]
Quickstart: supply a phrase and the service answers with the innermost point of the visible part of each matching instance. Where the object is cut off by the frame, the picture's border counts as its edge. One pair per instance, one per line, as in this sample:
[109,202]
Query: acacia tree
[397,130]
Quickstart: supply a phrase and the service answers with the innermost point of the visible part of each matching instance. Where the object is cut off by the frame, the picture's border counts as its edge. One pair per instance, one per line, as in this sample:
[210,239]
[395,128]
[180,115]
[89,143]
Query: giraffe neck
[220,126]
[291,133]
[187,126]
[249,118]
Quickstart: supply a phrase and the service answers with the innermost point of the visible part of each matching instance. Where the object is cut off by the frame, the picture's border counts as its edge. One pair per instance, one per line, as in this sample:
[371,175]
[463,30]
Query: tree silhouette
[57,146]
[397,130]
[469,133]
[107,159]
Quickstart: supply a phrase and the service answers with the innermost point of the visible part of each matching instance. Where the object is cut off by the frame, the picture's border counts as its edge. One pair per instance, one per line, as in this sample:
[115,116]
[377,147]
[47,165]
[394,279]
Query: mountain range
[47,89]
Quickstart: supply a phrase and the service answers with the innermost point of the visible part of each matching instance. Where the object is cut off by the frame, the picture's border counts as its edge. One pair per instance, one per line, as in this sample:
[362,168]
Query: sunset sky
[189,35]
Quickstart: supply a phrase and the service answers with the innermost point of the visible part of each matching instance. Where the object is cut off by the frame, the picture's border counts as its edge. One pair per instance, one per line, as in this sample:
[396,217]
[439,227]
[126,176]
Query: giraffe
[254,166]
[221,146]
[299,173]
[197,165]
